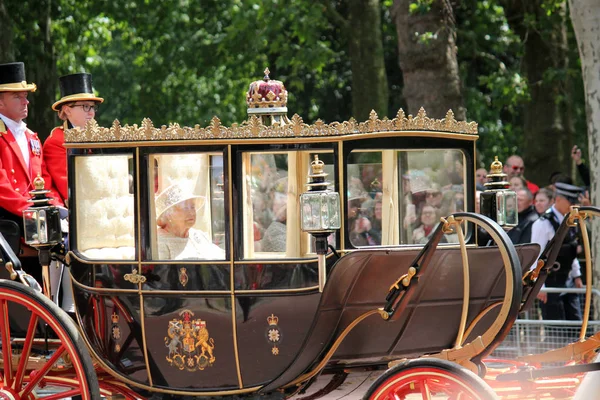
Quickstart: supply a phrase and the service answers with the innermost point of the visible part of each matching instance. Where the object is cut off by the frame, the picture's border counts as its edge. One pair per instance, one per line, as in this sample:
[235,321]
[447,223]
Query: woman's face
[182,218]
[428,216]
[542,203]
[76,112]
[516,183]
[378,211]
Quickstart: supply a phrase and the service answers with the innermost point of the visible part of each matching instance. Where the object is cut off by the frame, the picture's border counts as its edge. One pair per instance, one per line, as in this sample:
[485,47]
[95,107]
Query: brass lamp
[319,213]
[41,223]
[498,201]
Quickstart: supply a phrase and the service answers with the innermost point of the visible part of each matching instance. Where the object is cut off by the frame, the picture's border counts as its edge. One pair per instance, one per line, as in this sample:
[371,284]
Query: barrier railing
[532,335]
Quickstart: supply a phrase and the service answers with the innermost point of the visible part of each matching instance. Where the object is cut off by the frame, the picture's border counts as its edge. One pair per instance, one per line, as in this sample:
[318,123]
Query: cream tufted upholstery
[105,208]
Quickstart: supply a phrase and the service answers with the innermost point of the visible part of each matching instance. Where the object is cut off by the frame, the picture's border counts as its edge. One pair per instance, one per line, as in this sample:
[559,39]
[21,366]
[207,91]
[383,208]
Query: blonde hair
[61,112]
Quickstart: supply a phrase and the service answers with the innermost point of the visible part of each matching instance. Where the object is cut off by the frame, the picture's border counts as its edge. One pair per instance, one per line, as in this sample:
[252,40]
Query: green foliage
[186,61]
[494,90]
[420,7]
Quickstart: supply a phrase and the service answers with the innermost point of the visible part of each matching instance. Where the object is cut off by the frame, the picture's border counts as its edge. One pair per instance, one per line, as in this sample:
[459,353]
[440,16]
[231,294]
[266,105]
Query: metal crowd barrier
[532,335]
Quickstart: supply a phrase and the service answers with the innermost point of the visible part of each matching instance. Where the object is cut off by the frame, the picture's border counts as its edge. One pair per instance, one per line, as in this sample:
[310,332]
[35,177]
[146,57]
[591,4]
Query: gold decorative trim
[253,128]
[135,278]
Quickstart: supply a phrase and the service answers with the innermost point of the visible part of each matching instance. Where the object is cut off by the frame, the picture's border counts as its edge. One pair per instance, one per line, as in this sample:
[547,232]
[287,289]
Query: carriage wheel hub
[8,394]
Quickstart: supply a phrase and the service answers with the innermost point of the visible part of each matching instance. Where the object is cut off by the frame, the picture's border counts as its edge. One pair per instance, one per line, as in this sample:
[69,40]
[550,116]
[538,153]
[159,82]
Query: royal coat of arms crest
[188,343]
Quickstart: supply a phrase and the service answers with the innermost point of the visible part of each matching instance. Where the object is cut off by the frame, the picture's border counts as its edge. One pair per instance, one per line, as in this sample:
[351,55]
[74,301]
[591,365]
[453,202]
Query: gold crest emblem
[273,333]
[189,344]
[183,278]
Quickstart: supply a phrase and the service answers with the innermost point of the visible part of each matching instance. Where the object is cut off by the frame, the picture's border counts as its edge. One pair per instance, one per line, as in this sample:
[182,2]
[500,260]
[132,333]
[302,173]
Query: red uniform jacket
[16,180]
[54,164]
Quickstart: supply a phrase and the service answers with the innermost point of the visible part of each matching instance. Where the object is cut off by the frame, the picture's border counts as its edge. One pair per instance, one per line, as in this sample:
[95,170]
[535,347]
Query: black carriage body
[265,320]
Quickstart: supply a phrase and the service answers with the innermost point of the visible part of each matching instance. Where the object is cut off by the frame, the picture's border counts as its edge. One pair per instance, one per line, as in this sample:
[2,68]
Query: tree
[585,16]
[369,79]
[542,27]
[7,51]
[427,56]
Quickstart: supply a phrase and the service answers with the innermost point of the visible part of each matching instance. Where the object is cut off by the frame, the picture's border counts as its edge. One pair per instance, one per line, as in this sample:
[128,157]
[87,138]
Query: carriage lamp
[320,213]
[41,221]
[498,202]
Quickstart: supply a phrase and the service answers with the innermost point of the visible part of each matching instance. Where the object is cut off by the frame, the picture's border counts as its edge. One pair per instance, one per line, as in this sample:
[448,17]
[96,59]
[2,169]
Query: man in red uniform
[20,148]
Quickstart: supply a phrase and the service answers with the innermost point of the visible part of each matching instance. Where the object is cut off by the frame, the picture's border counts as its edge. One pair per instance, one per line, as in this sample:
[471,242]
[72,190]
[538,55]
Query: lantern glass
[320,211]
[506,208]
[42,226]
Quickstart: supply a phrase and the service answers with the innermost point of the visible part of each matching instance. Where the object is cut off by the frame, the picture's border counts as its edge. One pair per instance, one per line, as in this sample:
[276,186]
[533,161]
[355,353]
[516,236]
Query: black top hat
[12,78]
[569,192]
[75,87]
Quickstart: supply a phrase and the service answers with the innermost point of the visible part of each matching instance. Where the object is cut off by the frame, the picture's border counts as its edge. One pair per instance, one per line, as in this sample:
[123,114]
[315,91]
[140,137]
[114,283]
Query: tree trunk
[545,51]
[427,57]
[41,69]
[369,79]
[7,50]
[585,16]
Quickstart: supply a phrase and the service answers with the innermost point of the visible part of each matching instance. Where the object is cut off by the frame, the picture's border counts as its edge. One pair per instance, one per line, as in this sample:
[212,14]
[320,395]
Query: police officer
[566,272]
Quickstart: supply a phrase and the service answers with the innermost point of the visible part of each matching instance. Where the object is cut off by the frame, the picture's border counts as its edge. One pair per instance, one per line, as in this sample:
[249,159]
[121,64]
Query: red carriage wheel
[33,367]
[427,379]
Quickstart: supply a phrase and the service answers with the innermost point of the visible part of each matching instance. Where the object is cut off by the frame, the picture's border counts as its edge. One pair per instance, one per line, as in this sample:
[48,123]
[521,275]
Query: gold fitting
[448,223]
[574,215]
[134,277]
[267,72]
[412,271]
[384,314]
[496,166]
[10,268]
[317,166]
[39,183]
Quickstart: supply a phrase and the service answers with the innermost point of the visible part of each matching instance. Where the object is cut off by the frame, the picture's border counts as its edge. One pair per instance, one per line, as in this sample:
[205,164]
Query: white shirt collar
[18,131]
[17,128]
[559,216]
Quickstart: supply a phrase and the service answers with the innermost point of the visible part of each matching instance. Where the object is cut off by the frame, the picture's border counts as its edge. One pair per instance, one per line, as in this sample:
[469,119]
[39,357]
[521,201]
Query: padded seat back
[105,208]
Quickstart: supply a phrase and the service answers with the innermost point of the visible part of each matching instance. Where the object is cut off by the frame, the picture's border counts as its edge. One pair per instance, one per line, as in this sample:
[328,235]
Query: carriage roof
[253,129]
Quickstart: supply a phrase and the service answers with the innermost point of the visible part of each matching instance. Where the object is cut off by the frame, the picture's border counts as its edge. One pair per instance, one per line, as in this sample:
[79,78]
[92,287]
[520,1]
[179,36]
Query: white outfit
[542,232]
[197,246]
[18,130]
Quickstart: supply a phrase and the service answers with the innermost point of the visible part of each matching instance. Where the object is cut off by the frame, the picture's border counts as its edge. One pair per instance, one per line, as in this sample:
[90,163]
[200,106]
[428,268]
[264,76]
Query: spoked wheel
[43,354]
[429,379]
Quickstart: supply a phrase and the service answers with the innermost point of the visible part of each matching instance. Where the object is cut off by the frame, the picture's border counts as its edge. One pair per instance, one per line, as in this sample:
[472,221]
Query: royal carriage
[277,283]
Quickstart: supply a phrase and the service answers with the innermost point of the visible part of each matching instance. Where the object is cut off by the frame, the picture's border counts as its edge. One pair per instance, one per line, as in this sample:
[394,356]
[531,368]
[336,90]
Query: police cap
[569,192]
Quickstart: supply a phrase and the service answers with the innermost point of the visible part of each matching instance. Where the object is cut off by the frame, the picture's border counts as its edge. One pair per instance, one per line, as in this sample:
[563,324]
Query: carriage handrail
[401,285]
[510,306]
[581,213]
[13,265]
[454,225]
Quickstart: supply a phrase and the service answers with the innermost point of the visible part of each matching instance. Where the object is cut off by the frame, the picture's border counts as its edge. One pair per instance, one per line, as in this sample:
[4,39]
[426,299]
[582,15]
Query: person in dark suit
[527,216]
[77,105]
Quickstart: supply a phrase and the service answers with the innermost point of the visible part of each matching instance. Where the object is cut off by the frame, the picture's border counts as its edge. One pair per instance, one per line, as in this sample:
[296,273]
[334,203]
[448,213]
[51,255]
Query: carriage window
[104,207]
[187,206]
[398,197]
[273,184]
